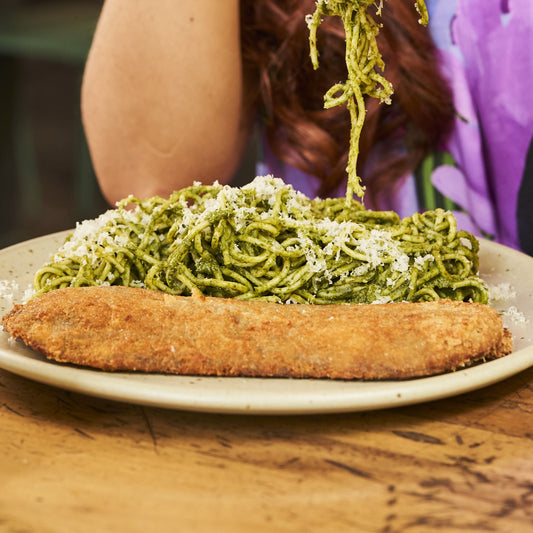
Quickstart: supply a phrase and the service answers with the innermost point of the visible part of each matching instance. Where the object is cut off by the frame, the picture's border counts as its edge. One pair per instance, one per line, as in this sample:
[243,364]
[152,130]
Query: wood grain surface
[70,462]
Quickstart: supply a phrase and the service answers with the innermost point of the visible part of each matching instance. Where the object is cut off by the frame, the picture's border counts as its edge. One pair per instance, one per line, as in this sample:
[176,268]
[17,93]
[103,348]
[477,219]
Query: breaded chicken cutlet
[120,328]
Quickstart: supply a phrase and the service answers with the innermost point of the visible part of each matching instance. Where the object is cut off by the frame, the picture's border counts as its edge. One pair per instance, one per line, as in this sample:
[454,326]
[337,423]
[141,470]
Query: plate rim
[344,396]
[365,396]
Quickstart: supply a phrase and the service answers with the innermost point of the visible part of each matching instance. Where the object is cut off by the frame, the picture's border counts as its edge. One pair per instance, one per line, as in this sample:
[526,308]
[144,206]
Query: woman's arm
[162,95]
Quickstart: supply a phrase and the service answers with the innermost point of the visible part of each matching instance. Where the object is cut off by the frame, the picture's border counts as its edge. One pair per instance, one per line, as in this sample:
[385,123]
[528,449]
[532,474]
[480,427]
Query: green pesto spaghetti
[364,66]
[265,241]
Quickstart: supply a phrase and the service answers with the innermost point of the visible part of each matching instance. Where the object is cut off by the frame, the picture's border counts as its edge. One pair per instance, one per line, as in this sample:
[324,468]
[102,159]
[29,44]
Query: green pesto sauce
[265,241]
[364,65]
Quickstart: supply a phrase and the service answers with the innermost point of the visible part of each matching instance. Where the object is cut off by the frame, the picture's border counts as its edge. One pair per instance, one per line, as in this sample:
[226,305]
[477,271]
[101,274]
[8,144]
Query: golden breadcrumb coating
[120,328]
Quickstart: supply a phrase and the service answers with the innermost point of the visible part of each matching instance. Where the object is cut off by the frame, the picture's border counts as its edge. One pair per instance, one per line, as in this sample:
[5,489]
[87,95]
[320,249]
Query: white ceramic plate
[499,265]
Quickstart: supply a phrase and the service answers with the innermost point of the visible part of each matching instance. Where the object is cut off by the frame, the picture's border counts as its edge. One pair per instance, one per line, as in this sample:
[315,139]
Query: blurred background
[47,181]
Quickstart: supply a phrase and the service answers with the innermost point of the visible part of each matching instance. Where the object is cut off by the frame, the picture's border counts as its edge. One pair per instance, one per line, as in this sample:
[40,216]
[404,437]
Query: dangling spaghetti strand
[364,66]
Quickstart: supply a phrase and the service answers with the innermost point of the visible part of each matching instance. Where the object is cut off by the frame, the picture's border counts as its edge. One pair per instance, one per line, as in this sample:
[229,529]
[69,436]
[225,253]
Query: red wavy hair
[288,93]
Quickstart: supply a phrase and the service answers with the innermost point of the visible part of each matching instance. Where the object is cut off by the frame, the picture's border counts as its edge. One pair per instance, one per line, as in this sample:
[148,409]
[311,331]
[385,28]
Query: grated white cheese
[266,187]
[8,289]
[501,292]
[515,316]
[420,261]
[382,299]
[29,293]
[80,243]
[380,248]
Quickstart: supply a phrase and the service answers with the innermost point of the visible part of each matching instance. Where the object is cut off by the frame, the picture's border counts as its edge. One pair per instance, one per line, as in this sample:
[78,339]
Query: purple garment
[489,63]
[486,51]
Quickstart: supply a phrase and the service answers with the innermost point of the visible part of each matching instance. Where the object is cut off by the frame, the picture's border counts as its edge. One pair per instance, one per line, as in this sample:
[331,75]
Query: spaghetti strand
[265,241]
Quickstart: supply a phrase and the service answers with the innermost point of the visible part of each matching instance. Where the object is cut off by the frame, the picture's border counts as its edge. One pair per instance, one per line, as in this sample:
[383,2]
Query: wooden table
[69,462]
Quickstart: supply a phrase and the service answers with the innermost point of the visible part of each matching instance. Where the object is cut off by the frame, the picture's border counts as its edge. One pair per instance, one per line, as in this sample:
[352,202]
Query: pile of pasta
[266,241]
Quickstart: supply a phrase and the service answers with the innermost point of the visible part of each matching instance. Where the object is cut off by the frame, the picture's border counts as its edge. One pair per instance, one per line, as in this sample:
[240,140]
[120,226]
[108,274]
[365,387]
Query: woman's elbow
[143,161]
